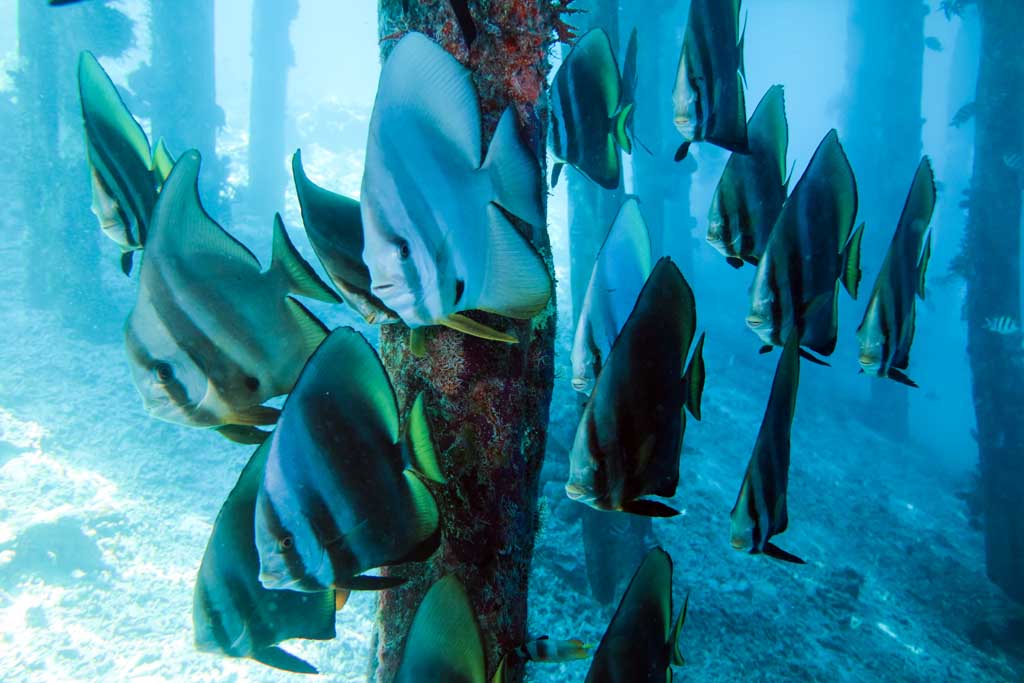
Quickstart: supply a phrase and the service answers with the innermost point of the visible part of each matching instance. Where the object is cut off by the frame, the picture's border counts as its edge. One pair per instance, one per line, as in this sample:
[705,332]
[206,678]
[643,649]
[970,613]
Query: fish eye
[252,383]
[403,249]
[163,371]
[287,542]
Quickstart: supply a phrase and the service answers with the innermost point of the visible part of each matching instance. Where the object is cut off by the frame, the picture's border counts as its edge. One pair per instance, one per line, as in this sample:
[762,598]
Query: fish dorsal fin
[515,281]
[922,266]
[163,162]
[644,611]
[629,71]
[444,641]
[422,453]
[104,110]
[514,172]
[181,225]
[768,131]
[596,59]
[349,366]
[297,272]
[694,378]
[423,88]
[851,272]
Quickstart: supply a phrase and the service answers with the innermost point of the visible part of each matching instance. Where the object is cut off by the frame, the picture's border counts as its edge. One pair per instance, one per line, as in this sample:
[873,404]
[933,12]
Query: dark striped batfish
[589,116]
[336,498]
[232,614]
[444,643]
[437,239]
[120,161]
[544,649]
[642,641]
[211,338]
[620,270]
[760,511]
[887,330]
[811,249]
[752,189]
[335,229]
[630,435]
[708,101]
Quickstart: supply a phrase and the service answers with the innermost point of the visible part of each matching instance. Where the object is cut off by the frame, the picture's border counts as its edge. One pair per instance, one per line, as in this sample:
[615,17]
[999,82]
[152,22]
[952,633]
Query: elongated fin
[255,415]
[516,283]
[851,271]
[620,128]
[421,446]
[901,377]
[922,266]
[694,378]
[243,434]
[648,508]
[461,323]
[775,552]
[279,659]
[366,582]
[298,273]
[444,641]
[677,628]
[808,356]
[514,172]
[418,341]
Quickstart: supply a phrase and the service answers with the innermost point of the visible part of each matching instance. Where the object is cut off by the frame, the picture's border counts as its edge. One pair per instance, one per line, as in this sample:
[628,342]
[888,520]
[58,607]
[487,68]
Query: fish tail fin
[297,272]
[677,628]
[514,172]
[922,265]
[419,443]
[312,332]
[516,281]
[279,659]
[694,377]
[126,262]
[775,552]
[426,522]
[620,128]
[851,272]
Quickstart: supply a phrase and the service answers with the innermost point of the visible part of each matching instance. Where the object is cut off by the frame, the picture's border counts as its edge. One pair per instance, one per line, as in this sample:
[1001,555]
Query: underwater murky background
[105,512]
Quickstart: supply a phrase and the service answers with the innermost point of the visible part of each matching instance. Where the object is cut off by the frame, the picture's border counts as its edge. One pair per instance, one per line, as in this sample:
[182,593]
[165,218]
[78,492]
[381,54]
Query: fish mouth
[868,362]
[575,491]
[580,384]
[275,581]
[755,321]
[738,543]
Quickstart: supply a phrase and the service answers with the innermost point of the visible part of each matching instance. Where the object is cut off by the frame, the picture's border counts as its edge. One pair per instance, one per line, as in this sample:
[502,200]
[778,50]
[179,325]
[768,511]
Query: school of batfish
[344,484]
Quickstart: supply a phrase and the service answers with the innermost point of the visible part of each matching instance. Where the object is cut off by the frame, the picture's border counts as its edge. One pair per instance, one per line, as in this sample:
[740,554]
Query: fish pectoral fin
[694,377]
[366,582]
[807,355]
[900,377]
[734,262]
[515,280]
[683,150]
[255,415]
[775,552]
[649,508]
[461,323]
[298,274]
[279,659]
[420,445]
[243,434]
[677,628]
[341,598]
[851,271]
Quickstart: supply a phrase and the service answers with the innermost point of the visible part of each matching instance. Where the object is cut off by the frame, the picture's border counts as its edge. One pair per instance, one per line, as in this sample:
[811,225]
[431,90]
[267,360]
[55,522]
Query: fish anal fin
[279,659]
[775,552]
[649,508]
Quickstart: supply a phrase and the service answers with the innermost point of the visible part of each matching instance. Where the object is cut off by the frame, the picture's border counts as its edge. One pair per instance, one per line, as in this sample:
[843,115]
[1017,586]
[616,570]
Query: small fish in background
[760,511]
[124,190]
[629,438]
[211,337]
[544,649]
[964,114]
[641,641]
[811,249]
[336,497]
[708,101]
[335,229]
[437,240]
[232,614]
[620,270]
[933,43]
[589,113]
[1004,325]
[886,333]
[444,643]
[752,189]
